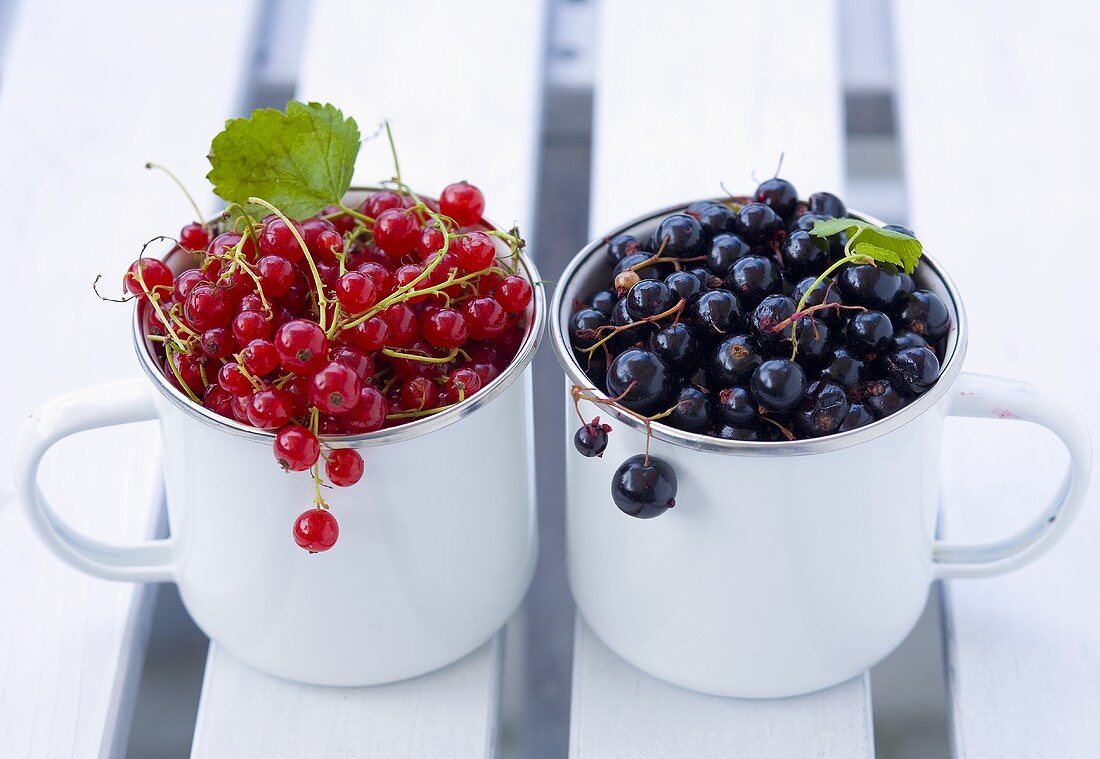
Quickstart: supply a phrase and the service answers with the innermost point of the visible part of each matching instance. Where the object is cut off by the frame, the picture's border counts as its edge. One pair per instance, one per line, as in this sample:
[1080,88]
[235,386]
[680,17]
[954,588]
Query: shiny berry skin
[813,341]
[316,530]
[249,326]
[369,413]
[381,277]
[359,362]
[913,369]
[651,271]
[828,204]
[843,368]
[260,358]
[881,398]
[778,385]
[383,200]
[725,249]
[684,285]
[903,338]
[335,388]
[714,218]
[355,291]
[679,236]
[754,278]
[277,239]
[822,410]
[326,245]
[734,361]
[642,378]
[605,300]
[302,346]
[486,319]
[216,342]
[269,409]
[418,394]
[403,325]
[583,326]
[644,488]
[716,314]
[621,246]
[206,307]
[344,467]
[691,410]
[218,401]
[778,195]
[153,272]
[869,285]
[276,275]
[396,232]
[757,223]
[766,318]
[514,293]
[649,298]
[430,241]
[462,202]
[676,344]
[296,448]
[803,255]
[461,384]
[194,237]
[869,333]
[736,406]
[444,328]
[857,416]
[924,313]
[825,292]
[232,380]
[806,221]
[590,439]
[475,251]
[186,282]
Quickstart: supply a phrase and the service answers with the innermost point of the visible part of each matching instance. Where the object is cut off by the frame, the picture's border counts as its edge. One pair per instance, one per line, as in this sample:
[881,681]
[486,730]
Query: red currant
[216,342]
[485,318]
[277,239]
[401,320]
[418,394]
[194,237]
[396,232]
[380,277]
[269,408]
[462,384]
[222,244]
[343,222]
[329,242]
[355,292]
[232,380]
[302,346]
[260,358]
[382,201]
[316,530]
[513,293]
[344,467]
[444,328]
[369,335]
[186,282]
[296,448]
[250,302]
[475,251]
[354,359]
[218,401]
[297,389]
[335,388]
[189,370]
[311,230]
[249,326]
[207,306]
[462,202]
[430,241]
[369,413]
[276,275]
[153,272]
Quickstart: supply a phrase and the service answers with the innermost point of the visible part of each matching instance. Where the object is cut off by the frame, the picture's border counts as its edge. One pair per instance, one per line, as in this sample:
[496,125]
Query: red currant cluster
[347,322]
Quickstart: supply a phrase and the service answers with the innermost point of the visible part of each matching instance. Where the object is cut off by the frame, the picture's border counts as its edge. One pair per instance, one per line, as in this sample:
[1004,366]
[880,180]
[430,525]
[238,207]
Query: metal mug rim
[696,441]
[389,435]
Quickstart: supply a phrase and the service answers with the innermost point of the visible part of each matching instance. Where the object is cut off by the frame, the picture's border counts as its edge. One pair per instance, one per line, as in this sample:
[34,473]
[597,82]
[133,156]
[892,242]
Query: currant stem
[451,355]
[656,317]
[169,353]
[191,200]
[322,301]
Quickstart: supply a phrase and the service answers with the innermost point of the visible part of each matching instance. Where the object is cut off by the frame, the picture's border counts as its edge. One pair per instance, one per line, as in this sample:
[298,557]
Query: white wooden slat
[89,94]
[683,101]
[461,85]
[1002,165]
[244,712]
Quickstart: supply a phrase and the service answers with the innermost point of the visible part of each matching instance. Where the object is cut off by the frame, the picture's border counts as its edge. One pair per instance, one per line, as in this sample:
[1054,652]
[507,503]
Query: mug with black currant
[758,387]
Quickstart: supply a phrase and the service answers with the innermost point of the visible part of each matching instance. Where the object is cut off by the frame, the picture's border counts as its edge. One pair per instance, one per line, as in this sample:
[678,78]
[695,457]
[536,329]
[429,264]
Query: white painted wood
[462,86]
[452,712]
[89,93]
[619,711]
[1003,165]
[679,107]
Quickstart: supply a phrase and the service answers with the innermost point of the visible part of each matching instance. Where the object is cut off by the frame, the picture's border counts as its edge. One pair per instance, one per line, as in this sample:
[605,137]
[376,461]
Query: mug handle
[105,406]
[981,396]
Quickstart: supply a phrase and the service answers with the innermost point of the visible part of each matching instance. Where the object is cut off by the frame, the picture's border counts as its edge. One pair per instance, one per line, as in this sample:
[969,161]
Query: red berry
[462,384]
[316,530]
[462,202]
[396,232]
[238,404]
[335,388]
[343,222]
[430,241]
[355,292]
[269,409]
[408,274]
[475,251]
[216,342]
[344,467]
[186,282]
[249,326]
[485,372]
[328,243]
[250,302]
[222,244]
[153,272]
[194,237]
[488,282]
[380,277]
[311,230]
[207,306]
[302,346]
[297,389]
[260,358]
[296,448]
[513,293]
[401,320]
[381,201]
[276,275]
[354,359]
[369,335]
[444,328]
[232,380]
[369,413]
[189,370]
[218,401]
[277,239]
[485,318]
[418,394]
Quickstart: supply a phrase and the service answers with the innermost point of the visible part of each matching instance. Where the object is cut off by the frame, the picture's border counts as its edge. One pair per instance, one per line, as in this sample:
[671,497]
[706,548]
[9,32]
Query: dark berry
[903,338]
[736,406]
[914,369]
[734,361]
[679,236]
[652,271]
[924,312]
[706,277]
[642,379]
[778,385]
[724,250]
[691,411]
[591,439]
[603,301]
[869,333]
[869,285]
[714,218]
[827,203]
[803,255]
[649,298]
[716,313]
[813,341]
[778,195]
[825,292]
[758,223]
[583,326]
[676,344]
[806,221]
[644,487]
[765,320]
[843,368]
[684,285]
[621,246]
[753,278]
[857,416]
[822,410]
[881,397]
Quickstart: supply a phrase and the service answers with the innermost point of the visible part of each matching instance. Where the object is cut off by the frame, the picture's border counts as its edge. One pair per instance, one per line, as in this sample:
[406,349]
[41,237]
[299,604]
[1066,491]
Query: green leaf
[830,227]
[878,254]
[300,160]
[879,244]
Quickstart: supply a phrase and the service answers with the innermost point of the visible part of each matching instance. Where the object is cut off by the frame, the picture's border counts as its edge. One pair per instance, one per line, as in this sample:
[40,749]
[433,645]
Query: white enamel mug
[437,541]
[785,567]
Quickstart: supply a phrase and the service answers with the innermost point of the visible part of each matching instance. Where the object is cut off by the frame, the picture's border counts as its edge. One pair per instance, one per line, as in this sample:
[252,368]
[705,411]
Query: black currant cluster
[720,323]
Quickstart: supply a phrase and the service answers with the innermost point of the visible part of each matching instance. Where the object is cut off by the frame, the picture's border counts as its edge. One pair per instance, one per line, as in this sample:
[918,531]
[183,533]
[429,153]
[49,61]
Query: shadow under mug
[791,566]
[437,541]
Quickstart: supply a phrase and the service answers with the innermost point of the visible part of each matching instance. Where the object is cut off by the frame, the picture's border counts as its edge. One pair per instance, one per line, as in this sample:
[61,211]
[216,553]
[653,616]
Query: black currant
[828,204]
[734,361]
[804,254]
[680,235]
[822,410]
[903,338]
[881,397]
[914,369]
[778,385]
[621,246]
[924,312]
[757,223]
[805,222]
[684,285]
[649,298]
[736,406]
[766,318]
[677,345]
[603,301]
[724,250]
[715,314]
[843,368]
[691,411]
[583,326]
[642,379]
[754,278]
[591,438]
[813,341]
[778,195]
[869,333]
[644,487]
[869,285]
[825,292]
[652,271]
[857,416]
[714,218]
